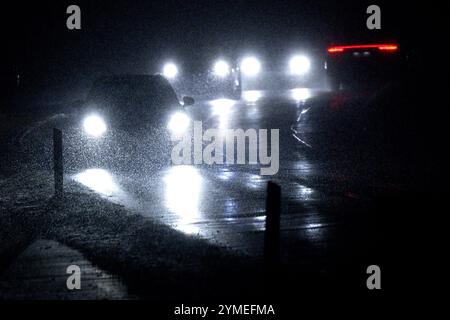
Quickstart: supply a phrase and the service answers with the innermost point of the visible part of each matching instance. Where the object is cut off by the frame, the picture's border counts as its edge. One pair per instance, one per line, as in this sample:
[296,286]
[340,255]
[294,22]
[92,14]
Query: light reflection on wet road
[226,203]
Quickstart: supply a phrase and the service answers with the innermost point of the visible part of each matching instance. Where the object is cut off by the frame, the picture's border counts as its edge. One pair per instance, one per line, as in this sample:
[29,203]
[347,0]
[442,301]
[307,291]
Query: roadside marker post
[58,169]
[272,231]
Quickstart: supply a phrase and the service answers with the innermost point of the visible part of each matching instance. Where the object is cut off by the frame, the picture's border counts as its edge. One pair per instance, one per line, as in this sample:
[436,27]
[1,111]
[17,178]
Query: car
[126,121]
[275,71]
[366,126]
[204,78]
[228,76]
[361,65]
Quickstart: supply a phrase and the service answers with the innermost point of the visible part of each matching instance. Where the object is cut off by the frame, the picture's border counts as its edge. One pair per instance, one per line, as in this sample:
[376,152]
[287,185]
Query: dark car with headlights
[125,120]
[284,70]
[228,75]
[202,75]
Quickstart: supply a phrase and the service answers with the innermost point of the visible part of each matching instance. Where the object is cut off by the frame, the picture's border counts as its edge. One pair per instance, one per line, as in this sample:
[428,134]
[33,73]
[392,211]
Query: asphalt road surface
[226,203]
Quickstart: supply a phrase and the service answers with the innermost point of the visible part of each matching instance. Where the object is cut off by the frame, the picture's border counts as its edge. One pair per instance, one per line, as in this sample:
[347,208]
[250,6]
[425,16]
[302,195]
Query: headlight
[178,123]
[221,68]
[251,95]
[170,70]
[299,65]
[301,94]
[250,66]
[94,125]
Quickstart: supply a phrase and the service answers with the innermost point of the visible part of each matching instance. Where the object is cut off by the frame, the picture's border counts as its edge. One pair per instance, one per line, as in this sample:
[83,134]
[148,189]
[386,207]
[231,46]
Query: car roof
[120,86]
[132,78]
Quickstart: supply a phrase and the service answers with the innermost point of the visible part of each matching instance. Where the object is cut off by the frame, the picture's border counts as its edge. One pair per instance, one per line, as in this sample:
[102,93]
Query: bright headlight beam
[170,70]
[299,65]
[301,94]
[250,66]
[251,96]
[178,123]
[94,125]
[221,68]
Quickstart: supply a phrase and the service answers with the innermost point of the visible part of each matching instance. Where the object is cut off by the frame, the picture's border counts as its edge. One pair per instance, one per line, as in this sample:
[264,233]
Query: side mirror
[188,101]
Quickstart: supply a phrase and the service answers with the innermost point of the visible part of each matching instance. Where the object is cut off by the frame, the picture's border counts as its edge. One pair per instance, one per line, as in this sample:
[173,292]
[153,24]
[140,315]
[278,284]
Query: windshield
[151,92]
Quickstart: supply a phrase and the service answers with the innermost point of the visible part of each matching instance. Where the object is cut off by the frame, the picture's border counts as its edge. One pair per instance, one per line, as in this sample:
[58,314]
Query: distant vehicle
[360,65]
[227,77]
[211,79]
[126,120]
[302,68]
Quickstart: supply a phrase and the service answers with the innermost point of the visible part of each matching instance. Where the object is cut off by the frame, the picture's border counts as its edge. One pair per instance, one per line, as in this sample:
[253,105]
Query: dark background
[137,36]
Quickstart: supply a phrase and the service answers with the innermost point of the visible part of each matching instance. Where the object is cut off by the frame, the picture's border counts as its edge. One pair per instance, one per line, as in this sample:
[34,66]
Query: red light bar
[381,47]
[335,49]
[391,47]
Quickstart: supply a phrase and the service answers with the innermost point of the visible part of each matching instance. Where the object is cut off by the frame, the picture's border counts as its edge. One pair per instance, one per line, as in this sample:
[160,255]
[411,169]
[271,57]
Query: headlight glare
[94,125]
[170,70]
[250,66]
[299,65]
[221,68]
[178,123]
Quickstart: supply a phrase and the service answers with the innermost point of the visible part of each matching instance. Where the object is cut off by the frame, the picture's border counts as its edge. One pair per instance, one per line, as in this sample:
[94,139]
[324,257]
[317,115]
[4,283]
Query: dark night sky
[134,36]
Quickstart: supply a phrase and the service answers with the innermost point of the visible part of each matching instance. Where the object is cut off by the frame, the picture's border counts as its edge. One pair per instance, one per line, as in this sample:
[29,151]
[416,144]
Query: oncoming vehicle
[227,76]
[132,101]
[126,120]
[293,69]
[204,78]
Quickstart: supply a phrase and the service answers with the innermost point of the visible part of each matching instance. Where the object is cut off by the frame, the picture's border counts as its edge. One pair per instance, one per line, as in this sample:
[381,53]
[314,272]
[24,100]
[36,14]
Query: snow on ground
[154,260]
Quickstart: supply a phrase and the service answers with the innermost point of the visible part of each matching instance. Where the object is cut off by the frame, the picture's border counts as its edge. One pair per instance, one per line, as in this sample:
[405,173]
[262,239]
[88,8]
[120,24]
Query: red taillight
[335,49]
[391,47]
[381,47]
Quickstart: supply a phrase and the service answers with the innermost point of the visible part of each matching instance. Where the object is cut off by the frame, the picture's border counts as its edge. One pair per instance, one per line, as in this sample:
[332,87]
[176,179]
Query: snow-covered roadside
[154,260]
[40,273]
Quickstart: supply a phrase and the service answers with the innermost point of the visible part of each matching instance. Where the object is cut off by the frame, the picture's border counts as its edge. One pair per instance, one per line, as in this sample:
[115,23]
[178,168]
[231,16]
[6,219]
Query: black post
[272,234]
[58,162]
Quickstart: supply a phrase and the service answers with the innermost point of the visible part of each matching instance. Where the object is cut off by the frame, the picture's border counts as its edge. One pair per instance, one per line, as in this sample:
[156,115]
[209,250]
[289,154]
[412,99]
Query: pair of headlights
[177,125]
[221,69]
[298,65]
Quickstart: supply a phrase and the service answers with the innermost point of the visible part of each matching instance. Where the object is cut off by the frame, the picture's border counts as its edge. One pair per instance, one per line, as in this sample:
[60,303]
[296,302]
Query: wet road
[226,203]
